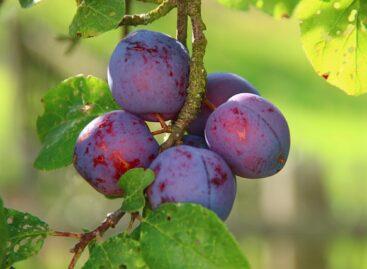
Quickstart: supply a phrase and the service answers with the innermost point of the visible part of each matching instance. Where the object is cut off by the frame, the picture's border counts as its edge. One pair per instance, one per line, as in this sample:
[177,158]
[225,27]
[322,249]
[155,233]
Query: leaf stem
[143,19]
[110,222]
[197,83]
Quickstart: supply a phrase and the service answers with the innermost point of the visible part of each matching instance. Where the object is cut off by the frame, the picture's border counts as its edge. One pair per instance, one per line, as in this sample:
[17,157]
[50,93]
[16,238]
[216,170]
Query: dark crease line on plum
[267,124]
[208,181]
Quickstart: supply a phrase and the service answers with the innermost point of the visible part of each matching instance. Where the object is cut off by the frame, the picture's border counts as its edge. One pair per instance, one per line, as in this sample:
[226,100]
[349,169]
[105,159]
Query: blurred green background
[313,214]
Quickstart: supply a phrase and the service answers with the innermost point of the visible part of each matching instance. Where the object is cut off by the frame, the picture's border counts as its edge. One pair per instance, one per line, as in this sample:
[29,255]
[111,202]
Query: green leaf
[116,252]
[28,3]
[3,234]
[133,182]
[277,8]
[94,17]
[69,107]
[334,36]
[26,236]
[186,236]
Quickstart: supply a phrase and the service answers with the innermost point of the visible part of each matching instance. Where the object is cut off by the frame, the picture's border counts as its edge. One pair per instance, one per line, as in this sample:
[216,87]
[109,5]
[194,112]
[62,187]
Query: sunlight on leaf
[334,36]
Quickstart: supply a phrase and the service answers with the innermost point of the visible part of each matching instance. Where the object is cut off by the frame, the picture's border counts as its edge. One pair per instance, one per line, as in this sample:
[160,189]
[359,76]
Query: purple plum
[148,73]
[193,175]
[251,134]
[220,87]
[109,146]
[195,141]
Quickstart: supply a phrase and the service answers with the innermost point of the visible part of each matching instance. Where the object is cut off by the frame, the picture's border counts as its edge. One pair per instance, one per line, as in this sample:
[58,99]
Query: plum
[220,87]
[109,146]
[188,174]
[195,141]
[148,73]
[251,134]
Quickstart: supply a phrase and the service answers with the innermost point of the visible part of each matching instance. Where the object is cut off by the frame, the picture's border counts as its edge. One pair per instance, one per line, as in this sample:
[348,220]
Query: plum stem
[209,104]
[162,131]
[110,222]
[197,82]
[143,19]
[182,20]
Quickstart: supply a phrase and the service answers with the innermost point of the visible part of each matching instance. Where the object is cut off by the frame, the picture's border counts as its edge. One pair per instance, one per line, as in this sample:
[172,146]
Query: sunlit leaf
[334,36]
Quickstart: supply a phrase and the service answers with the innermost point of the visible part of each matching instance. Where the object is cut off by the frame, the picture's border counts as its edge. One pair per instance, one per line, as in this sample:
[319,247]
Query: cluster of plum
[148,75]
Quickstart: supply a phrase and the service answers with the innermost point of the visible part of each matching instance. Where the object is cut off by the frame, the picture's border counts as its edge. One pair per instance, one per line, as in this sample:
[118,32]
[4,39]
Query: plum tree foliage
[180,191]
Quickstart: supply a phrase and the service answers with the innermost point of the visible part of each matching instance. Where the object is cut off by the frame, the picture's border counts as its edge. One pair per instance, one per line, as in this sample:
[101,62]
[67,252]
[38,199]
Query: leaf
[26,236]
[28,3]
[188,236]
[3,234]
[277,8]
[133,182]
[95,17]
[116,252]
[334,36]
[69,107]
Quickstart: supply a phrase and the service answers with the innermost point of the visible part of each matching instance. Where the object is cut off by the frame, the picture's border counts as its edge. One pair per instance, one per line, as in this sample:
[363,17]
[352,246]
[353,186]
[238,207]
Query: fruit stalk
[197,83]
[143,19]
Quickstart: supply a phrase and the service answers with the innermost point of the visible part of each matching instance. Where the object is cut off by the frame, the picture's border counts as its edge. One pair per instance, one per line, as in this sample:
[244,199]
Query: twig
[143,19]
[151,1]
[182,20]
[125,27]
[110,222]
[66,234]
[197,83]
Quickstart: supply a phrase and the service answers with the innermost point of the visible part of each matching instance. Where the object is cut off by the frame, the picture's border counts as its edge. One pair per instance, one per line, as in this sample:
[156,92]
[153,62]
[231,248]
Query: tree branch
[143,19]
[182,20]
[197,84]
[151,1]
[125,27]
[110,222]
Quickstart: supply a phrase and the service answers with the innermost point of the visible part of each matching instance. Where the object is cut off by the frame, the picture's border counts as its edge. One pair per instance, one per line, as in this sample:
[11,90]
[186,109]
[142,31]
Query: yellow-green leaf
[334,36]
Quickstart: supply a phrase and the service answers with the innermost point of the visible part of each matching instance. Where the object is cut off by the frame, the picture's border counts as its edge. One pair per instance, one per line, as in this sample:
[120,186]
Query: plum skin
[220,87]
[109,146]
[148,73]
[251,134]
[188,174]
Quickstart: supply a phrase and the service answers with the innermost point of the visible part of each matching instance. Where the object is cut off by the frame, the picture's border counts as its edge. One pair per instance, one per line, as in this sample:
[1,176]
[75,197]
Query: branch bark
[197,83]
[125,27]
[110,222]
[182,20]
[143,19]
[152,1]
